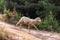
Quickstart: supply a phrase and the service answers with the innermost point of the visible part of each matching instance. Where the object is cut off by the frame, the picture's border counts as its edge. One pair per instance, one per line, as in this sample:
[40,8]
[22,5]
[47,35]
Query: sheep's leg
[20,26]
[18,22]
[36,28]
[29,28]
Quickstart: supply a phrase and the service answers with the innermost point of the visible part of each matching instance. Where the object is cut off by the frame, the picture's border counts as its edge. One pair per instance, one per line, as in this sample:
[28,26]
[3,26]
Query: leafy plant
[2,4]
[14,16]
[49,23]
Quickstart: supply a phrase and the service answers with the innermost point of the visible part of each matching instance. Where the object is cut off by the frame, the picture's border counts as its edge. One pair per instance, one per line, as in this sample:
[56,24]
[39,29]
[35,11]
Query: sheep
[29,22]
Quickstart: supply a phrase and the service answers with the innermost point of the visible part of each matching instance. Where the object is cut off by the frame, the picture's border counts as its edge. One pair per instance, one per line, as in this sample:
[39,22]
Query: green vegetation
[2,4]
[49,23]
[47,10]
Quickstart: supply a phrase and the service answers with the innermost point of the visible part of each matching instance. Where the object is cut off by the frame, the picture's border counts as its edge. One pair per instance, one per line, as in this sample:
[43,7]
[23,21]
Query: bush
[13,16]
[3,3]
[49,23]
[41,25]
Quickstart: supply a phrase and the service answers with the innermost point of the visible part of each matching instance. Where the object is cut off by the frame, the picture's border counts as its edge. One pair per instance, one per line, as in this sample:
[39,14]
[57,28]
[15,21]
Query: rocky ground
[15,33]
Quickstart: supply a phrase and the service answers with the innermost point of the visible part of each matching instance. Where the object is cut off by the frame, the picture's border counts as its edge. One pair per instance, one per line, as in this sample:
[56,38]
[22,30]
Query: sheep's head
[38,19]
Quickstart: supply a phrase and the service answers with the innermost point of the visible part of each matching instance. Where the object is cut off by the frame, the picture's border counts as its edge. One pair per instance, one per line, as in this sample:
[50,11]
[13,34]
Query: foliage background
[47,10]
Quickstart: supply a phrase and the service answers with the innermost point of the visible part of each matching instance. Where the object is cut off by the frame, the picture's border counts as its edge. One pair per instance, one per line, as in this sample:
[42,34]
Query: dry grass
[3,34]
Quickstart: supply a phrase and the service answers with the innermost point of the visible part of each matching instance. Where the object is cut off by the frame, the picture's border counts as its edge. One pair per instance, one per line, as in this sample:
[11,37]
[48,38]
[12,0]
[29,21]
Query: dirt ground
[35,35]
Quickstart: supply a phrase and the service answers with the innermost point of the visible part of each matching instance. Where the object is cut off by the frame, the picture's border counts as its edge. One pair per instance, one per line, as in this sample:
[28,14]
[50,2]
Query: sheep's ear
[38,18]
